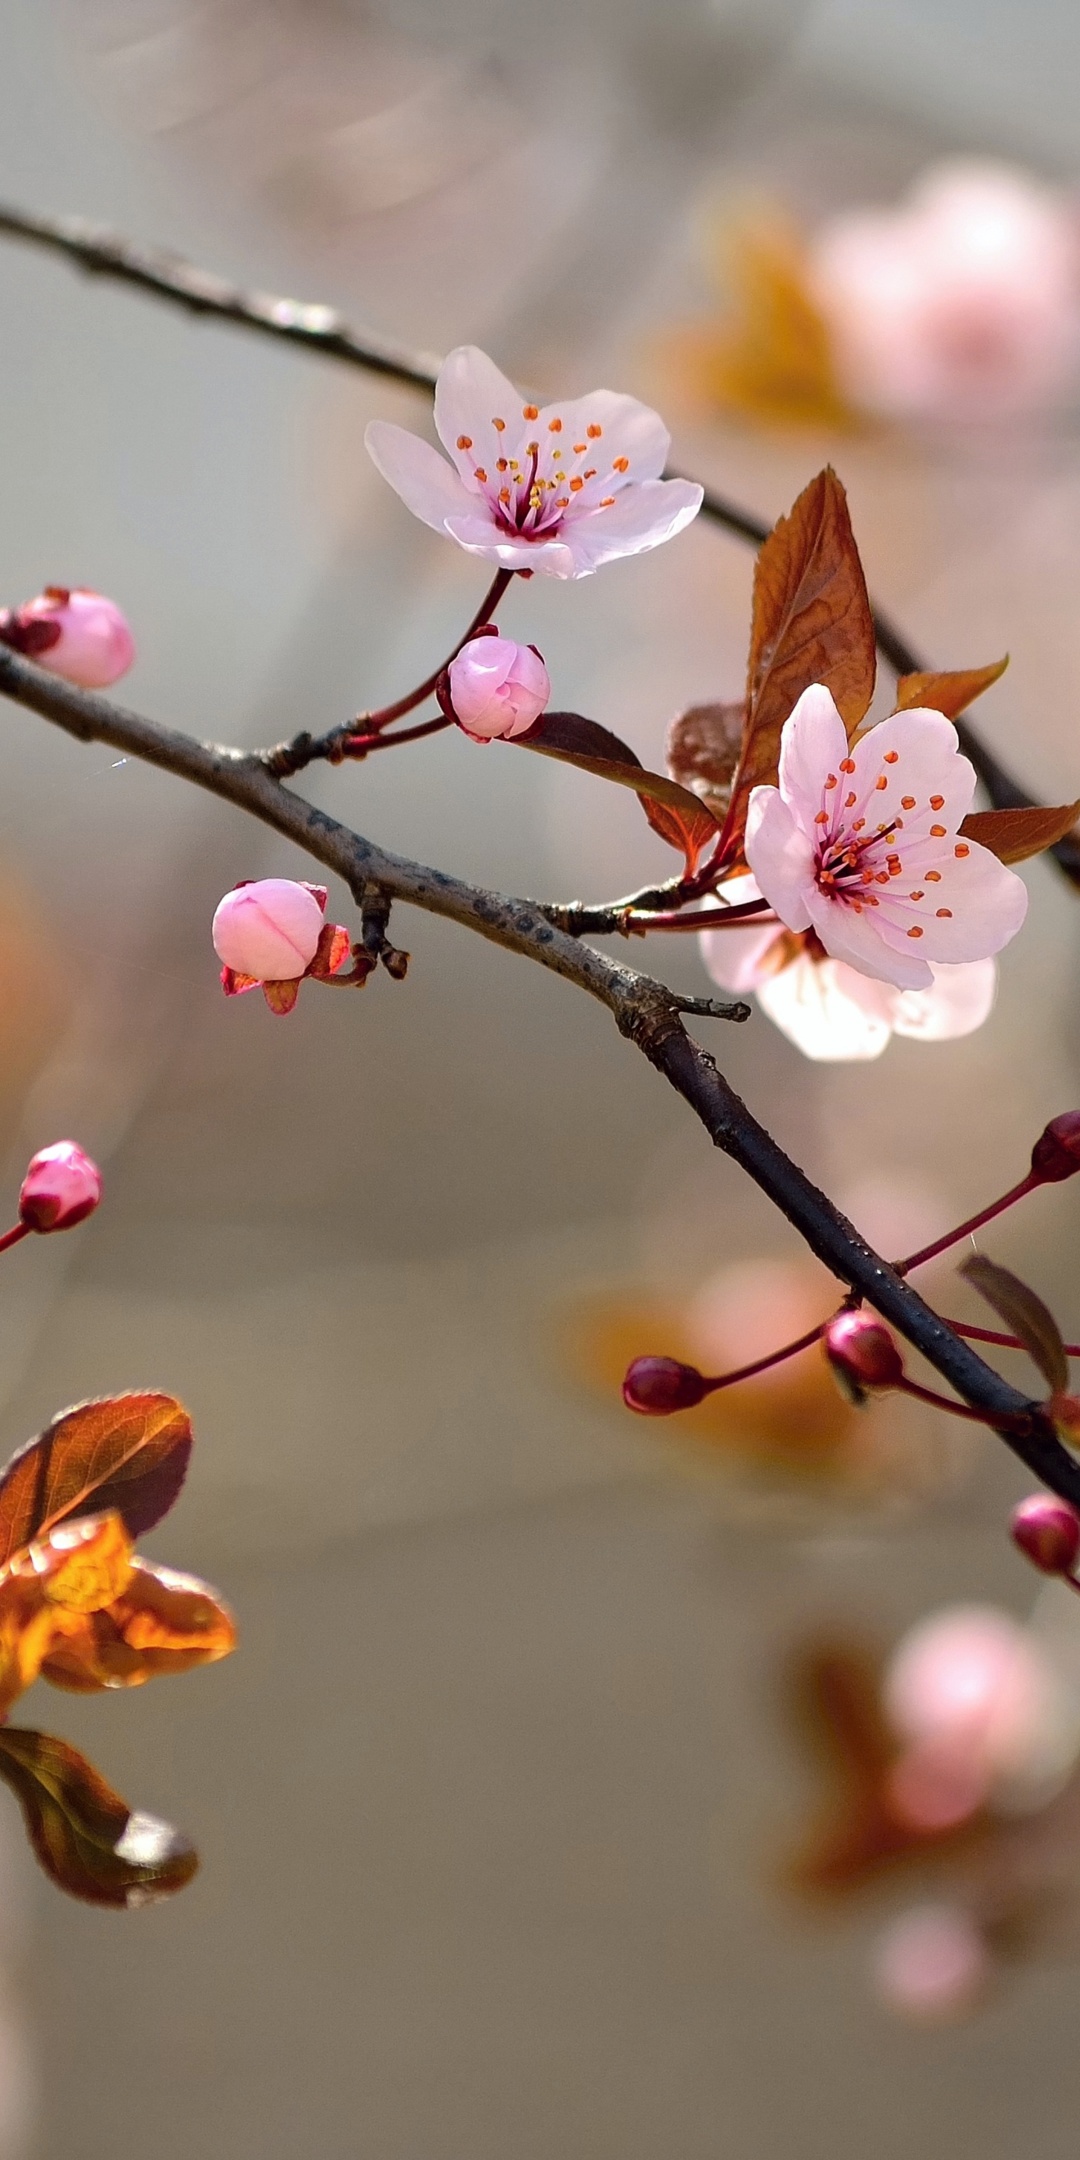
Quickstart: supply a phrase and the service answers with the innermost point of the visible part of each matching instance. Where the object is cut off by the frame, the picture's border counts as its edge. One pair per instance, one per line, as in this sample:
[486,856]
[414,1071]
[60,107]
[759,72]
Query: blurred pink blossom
[962,303]
[969,1687]
[74,633]
[933,1963]
[497,687]
[559,489]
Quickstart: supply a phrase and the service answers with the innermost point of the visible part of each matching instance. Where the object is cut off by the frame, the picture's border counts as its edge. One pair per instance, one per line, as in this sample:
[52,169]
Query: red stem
[1005,1342]
[962,1410]
[12,1237]
[707,918]
[374,721]
[762,1364]
[974,1222]
[359,746]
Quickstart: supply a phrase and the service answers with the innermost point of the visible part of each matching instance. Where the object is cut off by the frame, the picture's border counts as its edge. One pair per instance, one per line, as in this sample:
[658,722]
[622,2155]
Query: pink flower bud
[658,1385]
[74,633]
[497,687]
[862,1354]
[61,1187]
[269,929]
[1048,1533]
[1056,1153]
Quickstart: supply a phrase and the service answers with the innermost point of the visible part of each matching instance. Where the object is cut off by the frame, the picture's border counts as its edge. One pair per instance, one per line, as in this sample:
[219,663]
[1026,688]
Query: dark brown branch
[643,1010]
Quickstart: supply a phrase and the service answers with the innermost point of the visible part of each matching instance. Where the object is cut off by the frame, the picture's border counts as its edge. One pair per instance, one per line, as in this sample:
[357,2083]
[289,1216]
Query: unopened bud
[497,687]
[269,929]
[659,1385]
[72,632]
[862,1354]
[1056,1153]
[61,1187]
[1047,1532]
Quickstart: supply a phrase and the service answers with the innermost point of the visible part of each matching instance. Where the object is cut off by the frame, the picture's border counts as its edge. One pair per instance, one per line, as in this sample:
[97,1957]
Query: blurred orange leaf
[124,1452]
[86,1837]
[1014,835]
[948,691]
[811,624]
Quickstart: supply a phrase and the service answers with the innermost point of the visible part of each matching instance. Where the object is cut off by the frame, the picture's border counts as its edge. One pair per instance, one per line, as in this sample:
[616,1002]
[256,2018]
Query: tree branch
[644,1011]
[321,330]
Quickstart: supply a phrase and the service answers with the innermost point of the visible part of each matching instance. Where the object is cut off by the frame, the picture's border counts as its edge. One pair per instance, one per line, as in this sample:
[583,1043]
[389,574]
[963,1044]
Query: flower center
[531,494]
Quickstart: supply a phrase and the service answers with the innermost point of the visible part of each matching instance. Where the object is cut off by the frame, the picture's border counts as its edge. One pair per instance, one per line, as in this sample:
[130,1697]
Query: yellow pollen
[937,832]
[908,802]
[936,802]
[620,464]
[847,764]
[915,931]
[891,757]
[514,466]
[533,449]
[530,412]
[594,431]
[961,849]
[943,913]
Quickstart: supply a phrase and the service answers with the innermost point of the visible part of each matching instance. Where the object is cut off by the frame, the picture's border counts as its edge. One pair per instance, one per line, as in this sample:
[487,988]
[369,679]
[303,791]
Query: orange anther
[576,485]
[891,757]
[580,449]
[936,801]
[933,877]
[961,849]
[882,780]
[831,781]
[530,412]
[908,802]
[504,495]
[590,472]
[554,426]
[822,818]
[943,913]
[593,431]
[915,931]
[937,832]
[606,502]
[464,442]
[850,801]
[916,895]
[501,467]
[847,764]
[620,464]
[501,425]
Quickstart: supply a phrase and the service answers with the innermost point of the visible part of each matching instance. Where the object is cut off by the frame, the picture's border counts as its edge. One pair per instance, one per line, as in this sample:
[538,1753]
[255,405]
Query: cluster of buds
[494,687]
[74,633]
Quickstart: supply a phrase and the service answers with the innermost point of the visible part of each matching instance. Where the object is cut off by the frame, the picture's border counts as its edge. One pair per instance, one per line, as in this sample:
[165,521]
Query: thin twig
[644,1011]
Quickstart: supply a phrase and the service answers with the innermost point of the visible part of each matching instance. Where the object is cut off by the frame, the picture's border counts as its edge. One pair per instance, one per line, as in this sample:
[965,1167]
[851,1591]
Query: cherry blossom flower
[827,1009]
[74,633]
[497,687]
[861,844]
[558,489]
[963,302]
[270,933]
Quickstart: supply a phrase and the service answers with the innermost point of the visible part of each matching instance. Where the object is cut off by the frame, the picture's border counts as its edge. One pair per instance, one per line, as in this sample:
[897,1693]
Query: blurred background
[498,1799]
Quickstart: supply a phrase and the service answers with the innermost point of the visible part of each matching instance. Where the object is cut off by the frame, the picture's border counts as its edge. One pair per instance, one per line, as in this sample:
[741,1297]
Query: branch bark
[320,330]
[644,1011]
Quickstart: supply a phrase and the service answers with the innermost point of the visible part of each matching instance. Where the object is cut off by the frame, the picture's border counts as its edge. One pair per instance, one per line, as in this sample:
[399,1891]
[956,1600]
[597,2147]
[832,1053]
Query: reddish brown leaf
[1024,1314]
[87,1839]
[124,1452]
[159,1622]
[703,748]
[282,996]
[811,623]
[948,690]
[679,817]
[1013,835]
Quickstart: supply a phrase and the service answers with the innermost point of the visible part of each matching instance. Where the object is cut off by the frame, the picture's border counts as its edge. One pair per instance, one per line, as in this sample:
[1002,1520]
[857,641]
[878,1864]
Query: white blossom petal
[780,856]
[813,1004]
[641,518]
[734,958]
[481,536]
[470,393]
[812,743]
[855,938]
[427,485]
[958,1001]
[628,429]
